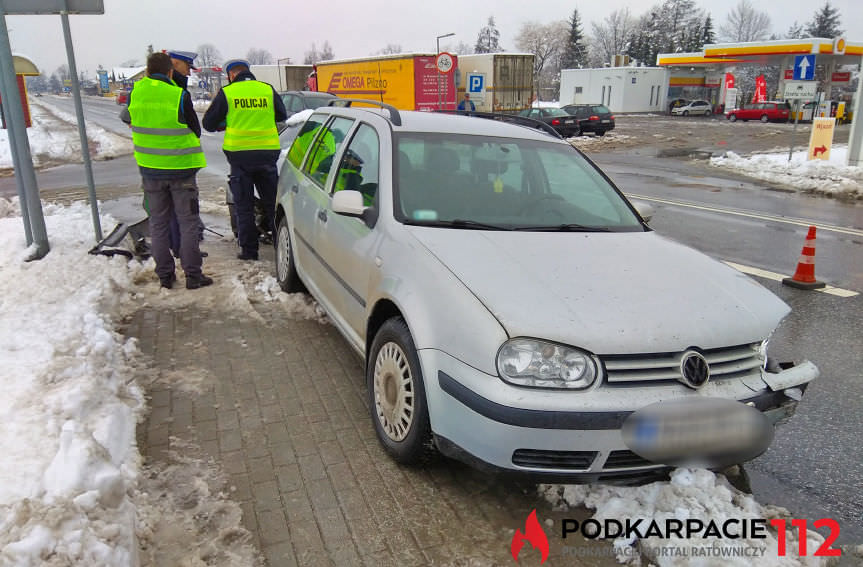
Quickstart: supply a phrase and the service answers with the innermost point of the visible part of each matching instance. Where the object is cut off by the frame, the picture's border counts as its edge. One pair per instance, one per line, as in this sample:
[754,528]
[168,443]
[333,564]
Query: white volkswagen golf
[514,310]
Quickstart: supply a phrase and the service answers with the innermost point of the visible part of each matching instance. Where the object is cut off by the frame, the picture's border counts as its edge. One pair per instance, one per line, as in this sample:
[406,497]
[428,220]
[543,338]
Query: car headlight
[531,362]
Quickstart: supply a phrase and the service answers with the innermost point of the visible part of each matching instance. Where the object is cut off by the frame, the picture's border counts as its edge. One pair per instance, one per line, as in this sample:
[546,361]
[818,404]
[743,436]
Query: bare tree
[257,56]
[546,42]
[209,56]
[327,52]
[610,37]
[745,23]
[313,55]
[390,49]
[63,72]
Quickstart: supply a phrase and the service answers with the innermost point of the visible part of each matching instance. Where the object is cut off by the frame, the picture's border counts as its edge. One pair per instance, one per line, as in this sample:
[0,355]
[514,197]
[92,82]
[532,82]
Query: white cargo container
[497,82]
[283,77]
[621,89]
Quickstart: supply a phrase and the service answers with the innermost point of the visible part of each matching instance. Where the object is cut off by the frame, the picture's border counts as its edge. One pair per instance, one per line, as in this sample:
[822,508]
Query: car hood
[609,293]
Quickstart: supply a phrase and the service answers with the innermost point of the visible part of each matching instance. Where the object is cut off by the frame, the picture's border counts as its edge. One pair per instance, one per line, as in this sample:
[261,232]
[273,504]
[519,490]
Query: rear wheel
[600,132]
[764,118]
[286,271]
[396,395]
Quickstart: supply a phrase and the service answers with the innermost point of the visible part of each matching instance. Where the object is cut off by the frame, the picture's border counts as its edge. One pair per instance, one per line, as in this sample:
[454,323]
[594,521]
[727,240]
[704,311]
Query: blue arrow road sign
[475,83]
[804,67]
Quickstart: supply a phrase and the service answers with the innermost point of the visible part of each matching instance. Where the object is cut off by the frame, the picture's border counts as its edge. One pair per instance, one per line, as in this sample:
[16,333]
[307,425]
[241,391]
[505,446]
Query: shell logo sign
[839,46]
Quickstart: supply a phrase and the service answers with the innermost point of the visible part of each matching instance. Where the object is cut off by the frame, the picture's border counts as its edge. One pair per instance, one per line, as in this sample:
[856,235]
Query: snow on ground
[108,144]
[201,105]
[690,493]
[73,490]
[597,143]
[54,137]
[831,177]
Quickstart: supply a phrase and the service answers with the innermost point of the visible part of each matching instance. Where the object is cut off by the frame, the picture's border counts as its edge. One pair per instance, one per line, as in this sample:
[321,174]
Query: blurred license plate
[606,121]
[568,122]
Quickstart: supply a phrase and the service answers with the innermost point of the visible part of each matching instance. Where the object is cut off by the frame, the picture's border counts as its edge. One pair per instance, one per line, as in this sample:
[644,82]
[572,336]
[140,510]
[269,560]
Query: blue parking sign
[475,83]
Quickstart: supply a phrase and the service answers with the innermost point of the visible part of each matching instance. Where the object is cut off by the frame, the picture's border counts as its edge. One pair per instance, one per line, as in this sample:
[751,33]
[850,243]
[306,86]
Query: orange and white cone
[804,277]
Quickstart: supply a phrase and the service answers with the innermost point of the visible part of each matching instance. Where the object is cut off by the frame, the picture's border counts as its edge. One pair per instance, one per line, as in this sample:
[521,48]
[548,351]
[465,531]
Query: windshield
[505,184]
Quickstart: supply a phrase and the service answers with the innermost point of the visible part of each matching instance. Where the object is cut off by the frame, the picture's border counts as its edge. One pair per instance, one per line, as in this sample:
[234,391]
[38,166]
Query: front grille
[729,362]
[569,460]
[625,460]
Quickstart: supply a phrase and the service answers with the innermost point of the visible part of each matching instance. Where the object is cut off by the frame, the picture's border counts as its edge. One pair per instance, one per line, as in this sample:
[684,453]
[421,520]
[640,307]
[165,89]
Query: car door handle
[295,188]
[322,214]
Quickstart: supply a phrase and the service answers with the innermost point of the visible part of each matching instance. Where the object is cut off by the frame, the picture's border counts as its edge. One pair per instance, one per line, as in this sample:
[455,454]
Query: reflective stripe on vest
[251,120]
[160,140]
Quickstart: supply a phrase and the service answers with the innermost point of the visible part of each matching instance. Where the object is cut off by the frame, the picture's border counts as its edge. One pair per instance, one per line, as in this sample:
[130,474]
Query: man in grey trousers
[165,135]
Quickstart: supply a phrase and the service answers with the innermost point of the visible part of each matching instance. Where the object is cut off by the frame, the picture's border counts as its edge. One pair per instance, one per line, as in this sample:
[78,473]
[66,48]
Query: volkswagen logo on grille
[694,369]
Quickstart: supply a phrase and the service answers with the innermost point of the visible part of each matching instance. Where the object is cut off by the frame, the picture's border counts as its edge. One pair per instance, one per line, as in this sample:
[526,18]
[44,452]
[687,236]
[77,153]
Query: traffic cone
[804,277]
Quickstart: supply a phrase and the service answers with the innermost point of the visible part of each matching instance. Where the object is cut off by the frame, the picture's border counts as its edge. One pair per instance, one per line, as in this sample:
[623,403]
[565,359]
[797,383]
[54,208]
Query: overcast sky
[287,28]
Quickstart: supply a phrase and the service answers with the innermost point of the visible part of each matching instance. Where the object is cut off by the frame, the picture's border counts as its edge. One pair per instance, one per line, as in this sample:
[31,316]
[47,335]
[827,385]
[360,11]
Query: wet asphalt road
[814,466]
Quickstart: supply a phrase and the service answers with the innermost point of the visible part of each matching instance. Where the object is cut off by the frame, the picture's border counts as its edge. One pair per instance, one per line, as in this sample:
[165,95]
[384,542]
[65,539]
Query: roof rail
[395,117]
[512,118]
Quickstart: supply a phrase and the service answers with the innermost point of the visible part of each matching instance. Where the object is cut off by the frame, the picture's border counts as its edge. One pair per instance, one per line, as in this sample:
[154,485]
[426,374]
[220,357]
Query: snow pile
[69,408]
[831,177]
[47,143]
[690,494]
[299,117]
[107,144]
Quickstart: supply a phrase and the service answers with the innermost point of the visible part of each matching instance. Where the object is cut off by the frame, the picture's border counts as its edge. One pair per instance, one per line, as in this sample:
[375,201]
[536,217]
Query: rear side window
[304,139]
[601,109]
[325,147]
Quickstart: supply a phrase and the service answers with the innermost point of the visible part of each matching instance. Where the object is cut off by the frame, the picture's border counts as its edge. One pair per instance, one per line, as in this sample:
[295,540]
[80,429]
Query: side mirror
[645,210]
[348,203]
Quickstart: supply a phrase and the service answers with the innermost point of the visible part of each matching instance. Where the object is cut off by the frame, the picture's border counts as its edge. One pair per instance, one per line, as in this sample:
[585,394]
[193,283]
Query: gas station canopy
[775,52]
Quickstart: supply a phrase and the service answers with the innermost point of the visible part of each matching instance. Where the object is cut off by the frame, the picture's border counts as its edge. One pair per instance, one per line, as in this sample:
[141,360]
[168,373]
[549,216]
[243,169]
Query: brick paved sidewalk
[283,409]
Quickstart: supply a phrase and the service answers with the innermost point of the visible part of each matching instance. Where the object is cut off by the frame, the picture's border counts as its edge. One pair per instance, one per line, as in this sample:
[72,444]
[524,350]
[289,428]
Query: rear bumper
[555,445]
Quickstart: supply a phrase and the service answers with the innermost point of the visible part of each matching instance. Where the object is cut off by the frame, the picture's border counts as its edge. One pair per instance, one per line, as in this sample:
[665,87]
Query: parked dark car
[563,122]
[295,101]
[763,111]
[596,118]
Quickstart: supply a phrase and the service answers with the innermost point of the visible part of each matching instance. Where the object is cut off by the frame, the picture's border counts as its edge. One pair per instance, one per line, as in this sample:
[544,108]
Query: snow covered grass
[54,137]
[831,177]
[690,493]
[73,490]
[69,407]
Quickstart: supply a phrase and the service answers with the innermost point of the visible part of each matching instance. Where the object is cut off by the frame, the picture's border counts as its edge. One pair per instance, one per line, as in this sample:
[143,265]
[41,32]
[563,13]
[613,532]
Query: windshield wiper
[458,223]
[563,228]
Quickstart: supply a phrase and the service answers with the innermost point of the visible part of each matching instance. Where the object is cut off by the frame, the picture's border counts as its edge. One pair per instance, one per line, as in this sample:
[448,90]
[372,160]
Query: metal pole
[16,163]
[794,130]
[438,74]
[82,129]
[18,138]
[855,138]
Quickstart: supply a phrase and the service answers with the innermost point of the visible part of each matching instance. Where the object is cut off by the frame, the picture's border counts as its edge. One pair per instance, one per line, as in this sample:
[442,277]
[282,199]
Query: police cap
[186,56]
[235,63]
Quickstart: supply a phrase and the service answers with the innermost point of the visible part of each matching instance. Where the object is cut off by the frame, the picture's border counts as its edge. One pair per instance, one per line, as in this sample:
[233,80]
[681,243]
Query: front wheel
[286,271]
[396,395]
[732,118]
[764,118]
[686,113]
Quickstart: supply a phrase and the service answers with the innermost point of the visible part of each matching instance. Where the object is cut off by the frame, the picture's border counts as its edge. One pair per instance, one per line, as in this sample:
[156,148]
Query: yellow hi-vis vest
[160,140]
[251,120]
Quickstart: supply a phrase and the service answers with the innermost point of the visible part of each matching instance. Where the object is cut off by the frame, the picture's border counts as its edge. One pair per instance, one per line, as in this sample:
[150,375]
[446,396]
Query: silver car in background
[512,307]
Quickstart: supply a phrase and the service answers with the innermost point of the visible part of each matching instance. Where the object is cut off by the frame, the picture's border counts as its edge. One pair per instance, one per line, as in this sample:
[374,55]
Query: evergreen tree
[575,51]
[825,23]
[707,33]
[488,40]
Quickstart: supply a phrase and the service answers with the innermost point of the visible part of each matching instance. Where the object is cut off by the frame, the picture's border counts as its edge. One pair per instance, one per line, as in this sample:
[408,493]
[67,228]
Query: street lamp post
[438,70]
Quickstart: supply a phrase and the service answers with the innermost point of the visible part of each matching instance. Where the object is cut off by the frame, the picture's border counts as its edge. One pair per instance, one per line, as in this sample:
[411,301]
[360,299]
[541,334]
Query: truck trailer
[497,82]
[407,81]
[283,77]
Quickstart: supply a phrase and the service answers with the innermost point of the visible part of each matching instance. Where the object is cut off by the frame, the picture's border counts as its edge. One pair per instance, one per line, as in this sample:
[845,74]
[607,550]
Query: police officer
[165,132]
[183,62]
[248,111]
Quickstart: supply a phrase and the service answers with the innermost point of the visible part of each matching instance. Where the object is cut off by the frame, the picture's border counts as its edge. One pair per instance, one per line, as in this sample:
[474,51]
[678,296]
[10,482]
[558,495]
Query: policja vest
[251,120]
[160,140]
